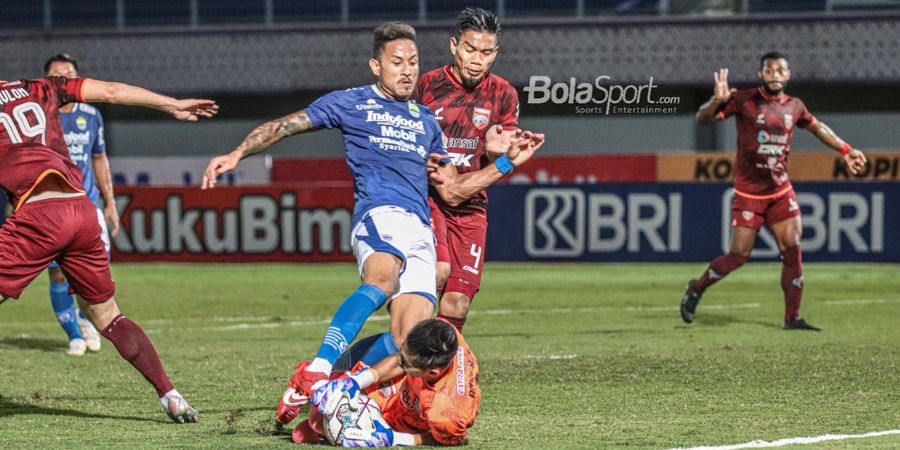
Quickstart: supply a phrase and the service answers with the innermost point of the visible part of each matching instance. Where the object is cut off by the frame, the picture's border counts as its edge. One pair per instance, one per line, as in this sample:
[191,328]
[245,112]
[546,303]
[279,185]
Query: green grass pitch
[571,356]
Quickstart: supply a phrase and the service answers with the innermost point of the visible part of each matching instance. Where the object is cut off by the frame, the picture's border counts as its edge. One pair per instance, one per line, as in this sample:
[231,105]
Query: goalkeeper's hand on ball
[326,397]
[383,436]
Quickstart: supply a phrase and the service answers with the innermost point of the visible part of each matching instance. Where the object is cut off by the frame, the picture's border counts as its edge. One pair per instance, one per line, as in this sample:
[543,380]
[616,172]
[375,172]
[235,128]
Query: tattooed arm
[261,138]
[854,158]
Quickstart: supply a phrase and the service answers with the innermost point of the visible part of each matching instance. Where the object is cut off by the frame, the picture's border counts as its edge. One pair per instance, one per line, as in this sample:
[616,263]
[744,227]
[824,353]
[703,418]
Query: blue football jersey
[387,143]
[83,131]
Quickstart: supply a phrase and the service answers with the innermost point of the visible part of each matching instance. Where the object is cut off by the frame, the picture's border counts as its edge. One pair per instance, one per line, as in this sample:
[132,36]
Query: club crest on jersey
[789,121]
[413,109]
[480,117]
[81,123]
[747,215]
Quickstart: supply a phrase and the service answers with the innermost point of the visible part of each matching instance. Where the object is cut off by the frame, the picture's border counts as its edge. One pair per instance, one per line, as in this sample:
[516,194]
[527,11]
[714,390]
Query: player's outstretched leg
[792,285]
[133,345]
[368,350]
[348,320]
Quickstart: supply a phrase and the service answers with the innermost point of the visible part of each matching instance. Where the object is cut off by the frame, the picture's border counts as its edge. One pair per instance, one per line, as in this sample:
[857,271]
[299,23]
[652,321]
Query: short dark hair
[477,19]
[62,57]
[771,55]
[431,344]
[391,31]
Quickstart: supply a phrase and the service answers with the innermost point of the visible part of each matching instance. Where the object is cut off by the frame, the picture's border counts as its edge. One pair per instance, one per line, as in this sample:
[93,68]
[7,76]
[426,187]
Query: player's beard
[774,93]
[470,83]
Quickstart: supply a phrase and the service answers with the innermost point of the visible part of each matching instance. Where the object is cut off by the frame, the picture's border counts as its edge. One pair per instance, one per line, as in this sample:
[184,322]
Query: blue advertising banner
[682,222]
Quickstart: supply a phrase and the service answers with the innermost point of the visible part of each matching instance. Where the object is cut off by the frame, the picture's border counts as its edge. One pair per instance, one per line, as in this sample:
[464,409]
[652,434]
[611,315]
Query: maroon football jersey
[464,116]
[765,128]
[32,145]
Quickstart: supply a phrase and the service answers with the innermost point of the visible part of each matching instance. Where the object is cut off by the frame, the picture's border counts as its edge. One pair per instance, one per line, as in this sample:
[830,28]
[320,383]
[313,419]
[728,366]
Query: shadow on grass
[30,343]
[721,320]
[10,408]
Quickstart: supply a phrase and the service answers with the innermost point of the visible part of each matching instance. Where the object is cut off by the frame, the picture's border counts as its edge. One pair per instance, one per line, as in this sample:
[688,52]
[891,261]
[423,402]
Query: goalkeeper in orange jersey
[428,392]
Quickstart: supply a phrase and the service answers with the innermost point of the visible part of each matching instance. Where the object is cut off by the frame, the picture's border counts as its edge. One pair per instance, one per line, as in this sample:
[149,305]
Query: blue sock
[64,307]
[349,319]
[369,350]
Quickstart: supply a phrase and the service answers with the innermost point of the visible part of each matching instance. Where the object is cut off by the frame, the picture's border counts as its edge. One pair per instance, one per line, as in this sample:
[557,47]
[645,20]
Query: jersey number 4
[18,125]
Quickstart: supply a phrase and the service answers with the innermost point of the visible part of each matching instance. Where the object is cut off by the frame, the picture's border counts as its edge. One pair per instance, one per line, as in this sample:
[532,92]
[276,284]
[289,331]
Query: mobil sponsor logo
[833,222]
[262,224]
[570,222]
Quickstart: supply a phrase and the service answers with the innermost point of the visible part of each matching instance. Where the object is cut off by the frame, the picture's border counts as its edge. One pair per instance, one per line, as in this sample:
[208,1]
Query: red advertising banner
[586,169]
[287,223]
[310,170]
[541,170]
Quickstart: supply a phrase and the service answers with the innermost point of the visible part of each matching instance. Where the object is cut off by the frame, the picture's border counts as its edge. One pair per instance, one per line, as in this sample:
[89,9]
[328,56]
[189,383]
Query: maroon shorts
[753,212]
[459,240]
[65,230]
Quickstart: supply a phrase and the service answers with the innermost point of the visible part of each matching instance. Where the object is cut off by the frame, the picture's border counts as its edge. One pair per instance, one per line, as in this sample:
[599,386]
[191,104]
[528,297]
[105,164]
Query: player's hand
[112,218]
[383,436]
[523,146]
[217,166]
[327,396]
[191,109]
[496,142]
[855,160]
[721,91]
[434,163]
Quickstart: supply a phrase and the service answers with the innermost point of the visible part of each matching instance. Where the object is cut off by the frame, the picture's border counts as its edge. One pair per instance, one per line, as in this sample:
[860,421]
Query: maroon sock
[136,348]
[455,321]
[717,270]
[791,282]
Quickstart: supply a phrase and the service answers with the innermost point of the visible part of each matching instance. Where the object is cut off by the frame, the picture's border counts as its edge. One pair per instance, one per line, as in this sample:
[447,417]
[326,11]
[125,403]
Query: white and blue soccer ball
[353,418]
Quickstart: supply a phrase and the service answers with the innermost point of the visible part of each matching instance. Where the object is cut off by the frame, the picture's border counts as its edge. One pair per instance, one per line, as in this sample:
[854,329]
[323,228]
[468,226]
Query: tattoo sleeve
[267,134]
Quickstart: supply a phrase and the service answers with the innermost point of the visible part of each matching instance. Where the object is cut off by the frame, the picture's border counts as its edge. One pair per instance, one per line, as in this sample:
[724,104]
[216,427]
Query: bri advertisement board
[682,222]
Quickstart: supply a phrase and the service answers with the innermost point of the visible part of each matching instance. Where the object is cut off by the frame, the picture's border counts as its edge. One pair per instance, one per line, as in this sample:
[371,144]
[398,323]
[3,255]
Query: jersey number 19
[19,116]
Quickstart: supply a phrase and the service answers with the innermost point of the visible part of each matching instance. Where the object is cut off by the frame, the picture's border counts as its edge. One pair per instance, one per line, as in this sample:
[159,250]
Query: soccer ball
[353,418]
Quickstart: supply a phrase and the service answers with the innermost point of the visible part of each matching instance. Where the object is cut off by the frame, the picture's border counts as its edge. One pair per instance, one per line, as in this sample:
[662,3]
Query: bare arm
[125,94]
[104,183]
[455,188]
[854,158]
[708,112]
[261,138]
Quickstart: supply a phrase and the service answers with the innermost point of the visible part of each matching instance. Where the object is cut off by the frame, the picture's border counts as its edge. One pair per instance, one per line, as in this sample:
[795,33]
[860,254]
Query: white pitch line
[715,306]
[865,301]
[794,441]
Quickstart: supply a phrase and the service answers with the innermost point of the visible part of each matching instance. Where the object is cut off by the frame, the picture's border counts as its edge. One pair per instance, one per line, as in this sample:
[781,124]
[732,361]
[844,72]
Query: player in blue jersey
[82,127]
[394,148]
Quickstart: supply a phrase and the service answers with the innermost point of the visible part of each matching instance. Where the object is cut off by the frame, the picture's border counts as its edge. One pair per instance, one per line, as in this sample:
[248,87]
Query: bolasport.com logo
[602,96]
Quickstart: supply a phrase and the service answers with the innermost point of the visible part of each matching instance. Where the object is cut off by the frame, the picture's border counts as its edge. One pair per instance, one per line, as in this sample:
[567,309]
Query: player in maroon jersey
[54,219]
[765,117]
[472,105]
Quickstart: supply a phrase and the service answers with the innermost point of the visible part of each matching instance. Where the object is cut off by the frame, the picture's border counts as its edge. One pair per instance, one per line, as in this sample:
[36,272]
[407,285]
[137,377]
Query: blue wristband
[504,165]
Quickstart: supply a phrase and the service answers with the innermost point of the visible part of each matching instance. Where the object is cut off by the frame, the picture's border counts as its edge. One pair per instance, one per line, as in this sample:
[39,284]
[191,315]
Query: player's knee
[57,276]
[100,314]
[455,304]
